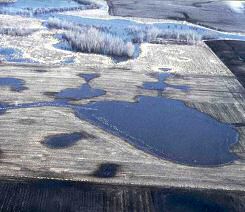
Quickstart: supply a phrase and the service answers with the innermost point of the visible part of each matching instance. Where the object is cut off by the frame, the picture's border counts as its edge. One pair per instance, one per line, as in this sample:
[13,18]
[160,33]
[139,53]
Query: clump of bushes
[143,34]
[95,41]
[101,40]
[151,34]
[92,40]
[55,23]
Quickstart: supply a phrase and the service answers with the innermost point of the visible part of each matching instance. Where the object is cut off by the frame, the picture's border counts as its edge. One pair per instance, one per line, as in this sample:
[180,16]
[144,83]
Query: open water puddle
[14,83]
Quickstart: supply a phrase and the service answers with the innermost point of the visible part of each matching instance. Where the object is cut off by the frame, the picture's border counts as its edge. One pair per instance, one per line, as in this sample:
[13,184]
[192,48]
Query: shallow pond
[13,55]
[167,128]
[14,83]
[85,91]
[161,85]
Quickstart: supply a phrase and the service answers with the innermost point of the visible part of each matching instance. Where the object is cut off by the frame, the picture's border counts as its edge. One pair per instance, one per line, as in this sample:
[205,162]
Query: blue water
[7,51]
[166,128]
[161,85]
[83,92]
[14,83]
[2,110]
[14,56]
[89,77]
[160,126]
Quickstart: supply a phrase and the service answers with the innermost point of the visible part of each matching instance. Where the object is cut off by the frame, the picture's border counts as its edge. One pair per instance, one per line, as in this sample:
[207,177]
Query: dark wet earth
[52,195]
[63,140]
[106,170]
[212,14]
[232,53]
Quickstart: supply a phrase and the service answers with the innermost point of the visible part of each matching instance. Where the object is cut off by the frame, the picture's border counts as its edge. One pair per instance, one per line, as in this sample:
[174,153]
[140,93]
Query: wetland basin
[160,126]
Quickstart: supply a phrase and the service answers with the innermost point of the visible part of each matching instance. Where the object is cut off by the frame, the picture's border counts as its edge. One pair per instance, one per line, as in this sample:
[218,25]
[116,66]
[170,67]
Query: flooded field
[160,126]
[138,106]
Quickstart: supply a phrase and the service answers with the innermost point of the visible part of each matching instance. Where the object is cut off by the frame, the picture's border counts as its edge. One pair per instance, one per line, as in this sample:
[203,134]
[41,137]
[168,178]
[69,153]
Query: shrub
[151,33]
[92,39]
[143,34]
[62,24]
[55,23]
[95,41]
